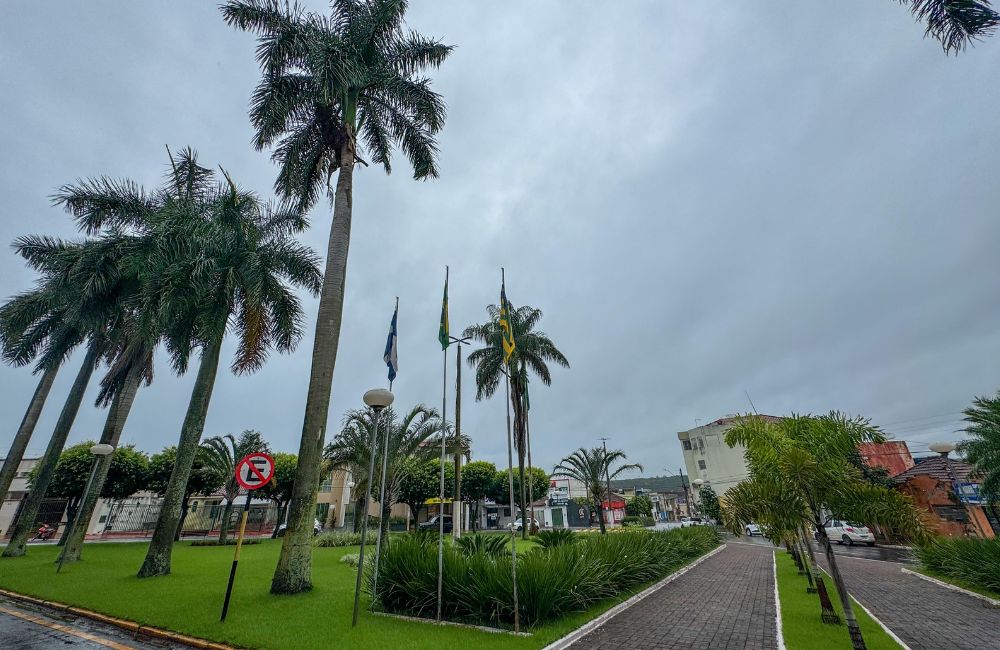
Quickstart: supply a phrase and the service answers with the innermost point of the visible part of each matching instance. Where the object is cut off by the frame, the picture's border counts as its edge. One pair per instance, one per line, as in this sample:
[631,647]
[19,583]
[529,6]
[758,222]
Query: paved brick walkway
[924,615]
[724,603]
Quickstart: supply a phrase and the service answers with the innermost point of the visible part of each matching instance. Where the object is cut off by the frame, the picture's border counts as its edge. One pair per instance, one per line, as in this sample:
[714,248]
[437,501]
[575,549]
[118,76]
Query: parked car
[692,521]
[434,524]
[317,528]
[518,524]
[753,529]
[844,532]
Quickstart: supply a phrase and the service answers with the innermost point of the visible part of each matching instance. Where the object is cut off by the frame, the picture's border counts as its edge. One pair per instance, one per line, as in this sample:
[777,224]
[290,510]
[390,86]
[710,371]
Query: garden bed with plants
[972,564]
[566,573]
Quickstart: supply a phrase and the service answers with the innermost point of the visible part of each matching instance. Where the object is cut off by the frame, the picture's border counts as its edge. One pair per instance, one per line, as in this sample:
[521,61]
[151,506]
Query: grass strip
[800,615]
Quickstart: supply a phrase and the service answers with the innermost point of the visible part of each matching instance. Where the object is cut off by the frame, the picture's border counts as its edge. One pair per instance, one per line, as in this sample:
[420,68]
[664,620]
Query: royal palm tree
[328,81]
[982,448]
[594,468]
[533,352]
[410,437]
[955,23]
[220,454]
[799,469]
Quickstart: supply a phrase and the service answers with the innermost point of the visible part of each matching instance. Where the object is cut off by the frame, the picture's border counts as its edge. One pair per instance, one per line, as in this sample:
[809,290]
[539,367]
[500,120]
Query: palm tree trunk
[857,641]
[227,512]
[23,435]
[807,565]
[26,521]
[180,522]
[517,401]
[118,412]
[293,573]
[157,562]
[600,517]
[827,614]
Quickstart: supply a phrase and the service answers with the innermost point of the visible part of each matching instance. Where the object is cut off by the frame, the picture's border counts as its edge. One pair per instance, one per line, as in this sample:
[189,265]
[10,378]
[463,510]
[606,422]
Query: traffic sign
[255,470]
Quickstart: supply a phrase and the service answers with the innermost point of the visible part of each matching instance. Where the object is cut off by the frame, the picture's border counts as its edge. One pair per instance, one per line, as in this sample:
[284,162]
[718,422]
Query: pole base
[830,618]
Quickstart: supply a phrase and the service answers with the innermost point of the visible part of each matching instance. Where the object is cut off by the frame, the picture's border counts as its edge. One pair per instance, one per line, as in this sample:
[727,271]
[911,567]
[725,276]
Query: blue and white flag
[390,348]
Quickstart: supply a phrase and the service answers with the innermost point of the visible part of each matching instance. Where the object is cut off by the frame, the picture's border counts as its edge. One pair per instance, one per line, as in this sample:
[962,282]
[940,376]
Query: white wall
[711,459]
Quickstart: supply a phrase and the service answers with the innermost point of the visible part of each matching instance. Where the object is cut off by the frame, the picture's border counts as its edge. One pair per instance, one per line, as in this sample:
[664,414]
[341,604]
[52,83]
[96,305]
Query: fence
[138,519]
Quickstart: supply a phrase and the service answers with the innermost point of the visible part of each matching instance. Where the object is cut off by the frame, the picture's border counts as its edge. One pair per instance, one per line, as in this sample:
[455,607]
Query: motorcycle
[46,532]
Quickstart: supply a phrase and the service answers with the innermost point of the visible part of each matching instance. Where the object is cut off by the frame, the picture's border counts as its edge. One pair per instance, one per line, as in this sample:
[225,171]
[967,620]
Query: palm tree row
[177,266]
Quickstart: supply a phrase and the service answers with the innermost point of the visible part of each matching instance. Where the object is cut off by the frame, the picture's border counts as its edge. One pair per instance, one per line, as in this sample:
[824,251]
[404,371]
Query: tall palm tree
[955,23]
[533,352]
[799,469]
[982,449]
[326,80]
[593,468]
[221,454]
[410,437]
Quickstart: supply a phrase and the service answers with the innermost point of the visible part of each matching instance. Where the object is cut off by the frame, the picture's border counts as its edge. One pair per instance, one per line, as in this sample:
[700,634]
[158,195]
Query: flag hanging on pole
[443,332]
[390,347]
[506,333]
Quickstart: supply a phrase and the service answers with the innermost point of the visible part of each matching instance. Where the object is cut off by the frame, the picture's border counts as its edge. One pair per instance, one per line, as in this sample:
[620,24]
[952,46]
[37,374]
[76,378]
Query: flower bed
[552,582]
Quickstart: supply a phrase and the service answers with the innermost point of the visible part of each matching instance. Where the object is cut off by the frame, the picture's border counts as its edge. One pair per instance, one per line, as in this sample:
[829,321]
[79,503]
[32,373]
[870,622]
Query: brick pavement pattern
[924,615]
[724,603]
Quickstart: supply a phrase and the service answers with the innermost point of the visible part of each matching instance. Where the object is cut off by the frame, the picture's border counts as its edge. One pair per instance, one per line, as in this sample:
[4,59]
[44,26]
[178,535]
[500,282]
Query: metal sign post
[255,471]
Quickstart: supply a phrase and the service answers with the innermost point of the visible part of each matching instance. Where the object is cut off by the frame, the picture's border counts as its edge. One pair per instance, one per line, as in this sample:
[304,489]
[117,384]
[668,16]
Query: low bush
[552,581]
[351,559]
[630,521]
[343,539]
[974,561]
[486,544]
[555,537]
[228,542]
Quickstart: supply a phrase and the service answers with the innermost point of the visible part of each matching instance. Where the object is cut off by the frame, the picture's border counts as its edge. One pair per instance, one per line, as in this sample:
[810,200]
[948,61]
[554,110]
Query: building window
[687,445]
[701,465]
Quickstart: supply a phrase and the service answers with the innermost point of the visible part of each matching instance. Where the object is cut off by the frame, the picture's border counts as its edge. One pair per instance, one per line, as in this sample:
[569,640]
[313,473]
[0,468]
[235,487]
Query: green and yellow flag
[506,332]
[443,332]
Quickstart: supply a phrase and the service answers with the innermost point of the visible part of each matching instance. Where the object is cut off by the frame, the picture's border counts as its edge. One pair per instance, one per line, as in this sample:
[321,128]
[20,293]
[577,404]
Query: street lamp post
[377,399]
[98,451]
[697,483]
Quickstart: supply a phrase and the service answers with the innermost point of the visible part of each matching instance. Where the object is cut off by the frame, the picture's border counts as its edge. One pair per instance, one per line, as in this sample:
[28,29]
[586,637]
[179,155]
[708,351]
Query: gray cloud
[792,200]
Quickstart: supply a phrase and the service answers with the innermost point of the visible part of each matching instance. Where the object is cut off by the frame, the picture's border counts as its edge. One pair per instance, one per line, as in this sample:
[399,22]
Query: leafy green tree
[955,23]
[537,484]
[326,83]
[419,481]
[710,503]
[594,468]
[533,353]
[279,489]
[220,454]
[800,468]
[202,481]
[982,448]
[412,436]
[641,506]
[478,479]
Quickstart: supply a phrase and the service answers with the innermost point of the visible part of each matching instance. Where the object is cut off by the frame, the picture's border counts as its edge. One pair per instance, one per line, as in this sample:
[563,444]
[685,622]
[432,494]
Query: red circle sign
[255,470]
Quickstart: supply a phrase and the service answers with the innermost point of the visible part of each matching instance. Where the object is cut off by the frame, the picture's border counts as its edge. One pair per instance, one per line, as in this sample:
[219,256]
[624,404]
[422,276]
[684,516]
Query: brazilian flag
[506,332]
[443,332]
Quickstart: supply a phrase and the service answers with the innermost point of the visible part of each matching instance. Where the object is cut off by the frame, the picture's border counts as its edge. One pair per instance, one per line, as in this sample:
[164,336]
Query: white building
[18,490]
[709,458]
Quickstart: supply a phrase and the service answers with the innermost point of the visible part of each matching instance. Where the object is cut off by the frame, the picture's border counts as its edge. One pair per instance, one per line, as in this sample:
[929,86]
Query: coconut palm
[955,23]
[799,469]
[593,468]
[220,454]
[982,449]
[410,437]
[328,81]
[533,352]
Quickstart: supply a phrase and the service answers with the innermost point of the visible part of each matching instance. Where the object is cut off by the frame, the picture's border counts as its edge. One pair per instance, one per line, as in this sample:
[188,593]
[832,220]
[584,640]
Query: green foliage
[279,489]
[556,537]
[631,521]
[982,448]
[478,480]
[973,561]
[202,481]
[220,454]
[710,503]
[639,506]
[421,480]
[329,540]
[126,476]
[491,544]
[351,559]
[955,23]
[594,467]
[552,581]
[228,542]
[539,483]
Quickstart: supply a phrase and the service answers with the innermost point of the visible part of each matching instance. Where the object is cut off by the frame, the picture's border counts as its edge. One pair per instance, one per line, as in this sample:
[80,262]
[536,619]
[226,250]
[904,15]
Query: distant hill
[653,484]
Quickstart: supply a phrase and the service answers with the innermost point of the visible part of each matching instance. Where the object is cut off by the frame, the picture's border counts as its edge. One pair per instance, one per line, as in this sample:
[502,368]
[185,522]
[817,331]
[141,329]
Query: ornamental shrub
[343,539]
[494,544]
[630,521]
[555,537]
[974,561]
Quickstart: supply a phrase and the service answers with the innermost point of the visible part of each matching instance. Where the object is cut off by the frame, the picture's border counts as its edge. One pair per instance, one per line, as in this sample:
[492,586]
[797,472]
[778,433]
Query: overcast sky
[794,200]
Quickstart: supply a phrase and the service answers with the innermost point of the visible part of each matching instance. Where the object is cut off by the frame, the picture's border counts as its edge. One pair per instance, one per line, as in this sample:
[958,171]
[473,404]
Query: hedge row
[975,561]
[344,539]
[552,582]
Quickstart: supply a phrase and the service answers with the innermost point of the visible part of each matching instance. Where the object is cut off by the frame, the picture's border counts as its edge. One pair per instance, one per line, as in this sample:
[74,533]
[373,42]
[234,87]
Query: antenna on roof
[752,407]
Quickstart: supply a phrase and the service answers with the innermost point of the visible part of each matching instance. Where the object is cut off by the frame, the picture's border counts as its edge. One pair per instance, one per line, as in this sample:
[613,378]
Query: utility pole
[687,494]
[607,479]
[457,510]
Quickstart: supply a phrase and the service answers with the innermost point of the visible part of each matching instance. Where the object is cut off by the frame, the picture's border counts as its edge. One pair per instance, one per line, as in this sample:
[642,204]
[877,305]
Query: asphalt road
[28,628]
[882,553]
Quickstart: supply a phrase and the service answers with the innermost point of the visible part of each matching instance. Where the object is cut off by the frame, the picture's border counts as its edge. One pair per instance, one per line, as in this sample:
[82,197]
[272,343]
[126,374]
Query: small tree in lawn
[538,484]
[477,484]
[279,489]
[710,503]
[593,468]
[419,482]
[221,454]
[639,506]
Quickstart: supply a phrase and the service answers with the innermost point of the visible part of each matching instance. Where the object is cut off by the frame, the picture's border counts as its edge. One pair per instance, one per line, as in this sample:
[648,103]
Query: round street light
[99,451]
[102,450]
[943,448]
[378,398]
[698,482]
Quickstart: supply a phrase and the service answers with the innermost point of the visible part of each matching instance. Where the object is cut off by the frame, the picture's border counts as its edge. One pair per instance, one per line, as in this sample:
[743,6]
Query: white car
[317,528]
[692,521]
[518,524]
[753,529]
[844,532]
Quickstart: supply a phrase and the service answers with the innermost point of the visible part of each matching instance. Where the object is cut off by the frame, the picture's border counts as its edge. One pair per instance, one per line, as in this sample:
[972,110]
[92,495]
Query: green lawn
[800,622]
[190,600]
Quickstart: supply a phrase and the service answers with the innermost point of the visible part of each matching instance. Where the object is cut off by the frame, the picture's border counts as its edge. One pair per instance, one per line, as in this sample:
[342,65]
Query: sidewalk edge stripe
[777,604]
[947,585]
[564,642]
[882,625]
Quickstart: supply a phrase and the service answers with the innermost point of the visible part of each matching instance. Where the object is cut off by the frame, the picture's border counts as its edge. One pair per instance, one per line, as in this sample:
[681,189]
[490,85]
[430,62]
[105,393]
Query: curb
[779,633]
[129,626]
[588,627]
[947,585]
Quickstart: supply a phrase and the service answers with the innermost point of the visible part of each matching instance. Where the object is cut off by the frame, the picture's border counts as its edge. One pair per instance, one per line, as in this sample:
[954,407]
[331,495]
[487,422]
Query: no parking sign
[254,471]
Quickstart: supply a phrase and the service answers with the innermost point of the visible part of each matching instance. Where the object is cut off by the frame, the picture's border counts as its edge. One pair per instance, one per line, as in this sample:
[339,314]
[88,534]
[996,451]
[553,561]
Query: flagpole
[531,482]
[510,485]
[444,437]
[381,498]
